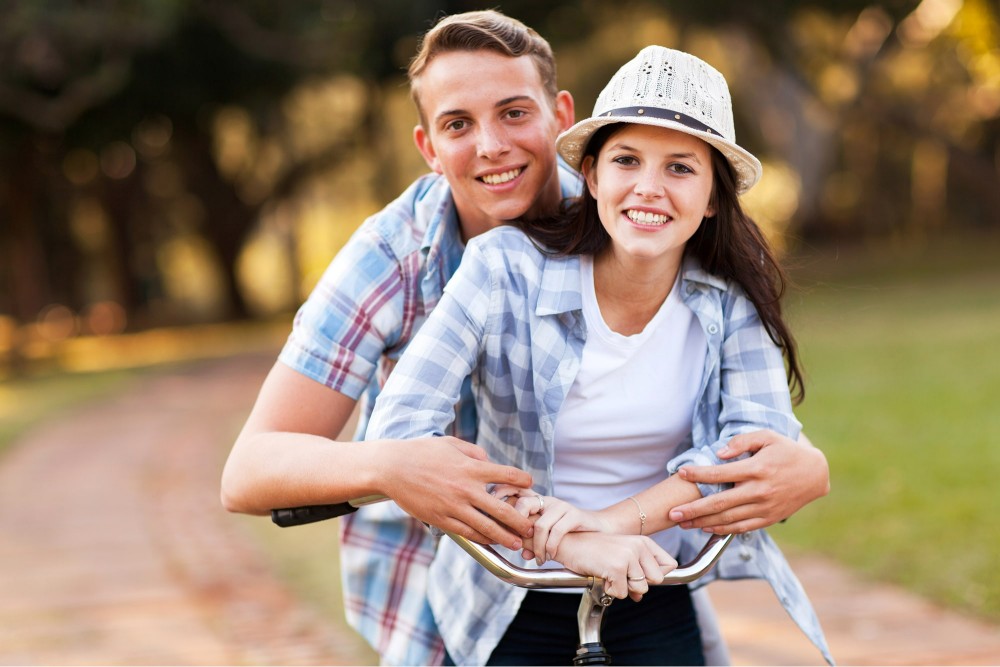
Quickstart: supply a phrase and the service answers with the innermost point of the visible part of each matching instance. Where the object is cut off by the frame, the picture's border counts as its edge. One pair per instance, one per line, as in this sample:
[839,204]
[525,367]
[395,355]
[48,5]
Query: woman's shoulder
[514,257]
[512,246]
[504,237]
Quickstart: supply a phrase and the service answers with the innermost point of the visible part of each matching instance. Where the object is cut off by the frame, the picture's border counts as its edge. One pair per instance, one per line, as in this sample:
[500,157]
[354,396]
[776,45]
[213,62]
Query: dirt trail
[114,550]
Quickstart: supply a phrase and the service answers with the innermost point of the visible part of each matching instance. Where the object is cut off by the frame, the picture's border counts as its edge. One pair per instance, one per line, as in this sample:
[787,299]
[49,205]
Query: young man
[490,112]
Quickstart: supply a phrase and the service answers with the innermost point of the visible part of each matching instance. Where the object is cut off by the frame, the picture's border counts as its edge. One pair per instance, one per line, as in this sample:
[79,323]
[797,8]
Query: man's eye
[515,113]
[456,125]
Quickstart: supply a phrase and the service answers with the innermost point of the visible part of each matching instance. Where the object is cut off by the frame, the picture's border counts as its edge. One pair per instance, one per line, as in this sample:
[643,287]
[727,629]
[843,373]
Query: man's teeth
[647,218]
[497,179]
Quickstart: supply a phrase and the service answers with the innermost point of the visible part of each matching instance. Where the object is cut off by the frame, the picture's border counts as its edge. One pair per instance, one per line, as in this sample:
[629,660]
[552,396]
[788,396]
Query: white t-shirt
[630,408]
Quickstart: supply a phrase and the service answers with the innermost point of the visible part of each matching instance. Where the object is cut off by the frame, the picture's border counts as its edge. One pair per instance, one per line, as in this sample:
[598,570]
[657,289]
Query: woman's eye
[681,168]
[626,160]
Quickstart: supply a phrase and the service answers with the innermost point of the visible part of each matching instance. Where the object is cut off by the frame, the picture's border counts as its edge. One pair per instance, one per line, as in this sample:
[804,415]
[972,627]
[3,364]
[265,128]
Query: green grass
[903,364]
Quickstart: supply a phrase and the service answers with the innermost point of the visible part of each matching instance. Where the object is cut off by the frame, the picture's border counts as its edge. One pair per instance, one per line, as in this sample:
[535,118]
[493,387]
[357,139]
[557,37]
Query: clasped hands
[585,542]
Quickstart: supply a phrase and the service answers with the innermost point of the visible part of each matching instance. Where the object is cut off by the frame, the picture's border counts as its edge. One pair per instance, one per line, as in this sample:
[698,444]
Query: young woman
[608,348]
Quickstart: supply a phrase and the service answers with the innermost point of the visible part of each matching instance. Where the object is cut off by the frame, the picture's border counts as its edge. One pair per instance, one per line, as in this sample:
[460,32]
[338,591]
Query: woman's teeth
[646,218]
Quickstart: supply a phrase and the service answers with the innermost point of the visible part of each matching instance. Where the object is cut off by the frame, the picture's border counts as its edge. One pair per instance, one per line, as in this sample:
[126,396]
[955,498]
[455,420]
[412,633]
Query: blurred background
[175,176]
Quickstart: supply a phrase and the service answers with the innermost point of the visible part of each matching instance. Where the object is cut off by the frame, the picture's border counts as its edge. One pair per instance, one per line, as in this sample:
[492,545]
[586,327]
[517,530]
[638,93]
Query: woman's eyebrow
[673,156]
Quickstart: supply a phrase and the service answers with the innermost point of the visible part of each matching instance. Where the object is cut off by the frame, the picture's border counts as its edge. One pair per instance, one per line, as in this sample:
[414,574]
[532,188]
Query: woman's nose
[649,184]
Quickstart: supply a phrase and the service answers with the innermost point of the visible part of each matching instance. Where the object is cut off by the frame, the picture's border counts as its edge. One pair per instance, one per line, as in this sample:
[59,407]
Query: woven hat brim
[572,143]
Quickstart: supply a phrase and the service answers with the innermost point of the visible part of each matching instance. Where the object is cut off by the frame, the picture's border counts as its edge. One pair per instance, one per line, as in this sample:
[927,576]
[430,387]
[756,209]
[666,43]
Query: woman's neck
[630,293]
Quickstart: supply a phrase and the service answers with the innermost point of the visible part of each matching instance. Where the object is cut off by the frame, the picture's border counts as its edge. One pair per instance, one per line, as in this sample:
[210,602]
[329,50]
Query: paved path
[114,550]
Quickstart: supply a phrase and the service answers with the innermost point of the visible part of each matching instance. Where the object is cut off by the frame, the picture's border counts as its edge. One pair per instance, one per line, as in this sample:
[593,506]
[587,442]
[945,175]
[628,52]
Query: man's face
[491,131]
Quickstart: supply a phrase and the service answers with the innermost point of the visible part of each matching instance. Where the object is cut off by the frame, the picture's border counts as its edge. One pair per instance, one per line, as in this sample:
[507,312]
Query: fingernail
[531,531]
[686,524]
[676,515]
[516,545]
[725,450]
[538,561]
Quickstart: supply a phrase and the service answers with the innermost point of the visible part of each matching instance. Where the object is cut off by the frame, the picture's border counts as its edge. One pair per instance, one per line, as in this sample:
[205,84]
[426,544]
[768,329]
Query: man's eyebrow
[501,103]
[510,100]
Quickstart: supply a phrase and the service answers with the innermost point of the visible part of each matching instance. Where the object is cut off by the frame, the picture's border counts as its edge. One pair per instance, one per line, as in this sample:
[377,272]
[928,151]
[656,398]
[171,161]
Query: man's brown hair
[483,30]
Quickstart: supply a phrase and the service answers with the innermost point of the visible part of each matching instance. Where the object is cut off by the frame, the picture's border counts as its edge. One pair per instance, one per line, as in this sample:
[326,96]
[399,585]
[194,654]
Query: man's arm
[779,479]
[287,455]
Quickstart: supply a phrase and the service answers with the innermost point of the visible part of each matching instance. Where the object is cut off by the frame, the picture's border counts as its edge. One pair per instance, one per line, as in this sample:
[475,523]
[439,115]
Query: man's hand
[442,481]
[627,563]
[780,478]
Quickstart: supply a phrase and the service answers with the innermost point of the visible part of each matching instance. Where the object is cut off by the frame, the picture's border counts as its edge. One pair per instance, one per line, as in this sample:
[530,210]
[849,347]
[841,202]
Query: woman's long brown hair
[729,245]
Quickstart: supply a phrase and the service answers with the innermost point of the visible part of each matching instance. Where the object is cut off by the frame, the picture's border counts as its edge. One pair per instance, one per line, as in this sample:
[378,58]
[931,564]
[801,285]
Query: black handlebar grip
[297,516]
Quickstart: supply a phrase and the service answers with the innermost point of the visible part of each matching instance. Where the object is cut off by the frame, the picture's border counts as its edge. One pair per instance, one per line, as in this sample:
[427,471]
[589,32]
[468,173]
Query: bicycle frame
[594,601]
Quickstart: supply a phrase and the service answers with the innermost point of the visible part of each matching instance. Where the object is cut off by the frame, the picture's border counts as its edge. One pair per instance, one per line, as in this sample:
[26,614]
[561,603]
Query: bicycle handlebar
[522,577]
[501,567]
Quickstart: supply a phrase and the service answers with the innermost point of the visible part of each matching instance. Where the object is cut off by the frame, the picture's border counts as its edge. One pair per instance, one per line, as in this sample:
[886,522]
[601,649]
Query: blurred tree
[136,132]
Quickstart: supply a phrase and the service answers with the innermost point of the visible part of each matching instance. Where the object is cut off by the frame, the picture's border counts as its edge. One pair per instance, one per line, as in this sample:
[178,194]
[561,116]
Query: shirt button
[713,329]
[690,289]
[745,555]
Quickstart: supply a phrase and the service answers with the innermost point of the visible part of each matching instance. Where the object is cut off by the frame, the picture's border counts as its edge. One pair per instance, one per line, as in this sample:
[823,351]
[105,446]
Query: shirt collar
[442,241]
[560,290]
[692,273]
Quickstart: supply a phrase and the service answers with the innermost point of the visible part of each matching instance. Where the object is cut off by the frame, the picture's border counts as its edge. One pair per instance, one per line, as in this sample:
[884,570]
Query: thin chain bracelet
[642,515]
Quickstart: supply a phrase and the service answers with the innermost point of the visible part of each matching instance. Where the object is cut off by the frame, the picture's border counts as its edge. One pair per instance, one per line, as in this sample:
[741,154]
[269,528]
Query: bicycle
[593,603]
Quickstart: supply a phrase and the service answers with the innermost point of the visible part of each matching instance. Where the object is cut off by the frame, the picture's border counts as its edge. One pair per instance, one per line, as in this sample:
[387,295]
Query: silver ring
[637,578]
[541,503]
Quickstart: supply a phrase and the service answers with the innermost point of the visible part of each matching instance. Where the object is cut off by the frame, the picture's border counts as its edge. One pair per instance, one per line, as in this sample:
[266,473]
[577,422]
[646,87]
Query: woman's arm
[418,400]
[643,514]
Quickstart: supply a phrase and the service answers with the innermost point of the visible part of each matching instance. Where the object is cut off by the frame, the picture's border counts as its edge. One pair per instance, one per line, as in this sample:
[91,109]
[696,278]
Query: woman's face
[652,186]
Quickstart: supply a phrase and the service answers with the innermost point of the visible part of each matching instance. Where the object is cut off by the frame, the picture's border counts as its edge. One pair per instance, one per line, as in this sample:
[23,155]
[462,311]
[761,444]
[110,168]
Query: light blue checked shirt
[347,335]
[511,320]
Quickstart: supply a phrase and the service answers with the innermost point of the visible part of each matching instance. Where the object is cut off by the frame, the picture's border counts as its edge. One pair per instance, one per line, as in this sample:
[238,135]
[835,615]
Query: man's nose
[492,141]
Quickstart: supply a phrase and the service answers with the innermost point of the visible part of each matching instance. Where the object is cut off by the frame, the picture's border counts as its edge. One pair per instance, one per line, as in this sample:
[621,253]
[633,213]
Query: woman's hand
[555,519]
[628,564]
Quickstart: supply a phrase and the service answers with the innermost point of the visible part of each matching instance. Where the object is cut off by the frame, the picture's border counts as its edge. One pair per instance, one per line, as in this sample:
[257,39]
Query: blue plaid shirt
[511,320]
[347,335]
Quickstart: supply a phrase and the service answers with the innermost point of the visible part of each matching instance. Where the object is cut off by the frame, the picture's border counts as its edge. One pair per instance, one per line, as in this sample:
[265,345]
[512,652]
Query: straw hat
[671,89]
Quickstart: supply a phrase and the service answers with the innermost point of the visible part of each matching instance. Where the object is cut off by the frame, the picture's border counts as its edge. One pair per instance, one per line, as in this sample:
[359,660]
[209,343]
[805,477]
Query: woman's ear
[589,174]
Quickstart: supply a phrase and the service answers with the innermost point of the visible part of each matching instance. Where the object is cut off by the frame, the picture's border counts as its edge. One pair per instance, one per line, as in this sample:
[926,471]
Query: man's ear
[589,175]
[565,110]
[423,141]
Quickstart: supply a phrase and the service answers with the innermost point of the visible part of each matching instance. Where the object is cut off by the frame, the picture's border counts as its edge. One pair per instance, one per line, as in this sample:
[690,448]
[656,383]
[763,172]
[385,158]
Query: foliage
[149,148]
